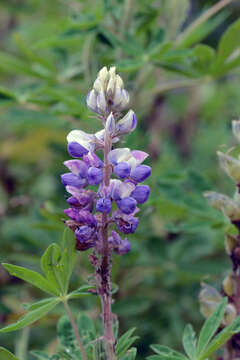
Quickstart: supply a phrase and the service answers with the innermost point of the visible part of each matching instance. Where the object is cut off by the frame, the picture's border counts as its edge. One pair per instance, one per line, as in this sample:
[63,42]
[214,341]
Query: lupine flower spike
[99,216]
[210,297]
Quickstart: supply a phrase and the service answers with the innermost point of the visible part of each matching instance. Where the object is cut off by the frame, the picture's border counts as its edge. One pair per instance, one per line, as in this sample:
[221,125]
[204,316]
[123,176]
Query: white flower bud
[236,129]
[97,85]
[127,124]
[92,100]
[209,298]
[223,203]
[101,103]
[230,314]
[119,82]
[110,125]
[109,91]
[103,75]
[111,86]
[230,165]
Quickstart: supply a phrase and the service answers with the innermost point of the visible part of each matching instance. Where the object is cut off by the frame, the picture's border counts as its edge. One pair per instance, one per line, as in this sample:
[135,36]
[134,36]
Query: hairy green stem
[75,329]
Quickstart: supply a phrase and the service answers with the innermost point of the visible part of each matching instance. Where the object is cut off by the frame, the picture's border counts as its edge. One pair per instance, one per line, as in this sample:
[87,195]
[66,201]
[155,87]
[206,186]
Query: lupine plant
[95,214]
[116,200]
[105,191]
[48,62]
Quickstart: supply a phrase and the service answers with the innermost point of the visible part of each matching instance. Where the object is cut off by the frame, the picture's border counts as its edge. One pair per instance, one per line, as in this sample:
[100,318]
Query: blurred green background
[184,85]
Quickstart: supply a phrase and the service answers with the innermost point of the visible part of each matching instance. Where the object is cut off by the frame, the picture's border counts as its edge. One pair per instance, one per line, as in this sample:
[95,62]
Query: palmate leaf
[6,355]
[31,277]
[210,327]
[31,317]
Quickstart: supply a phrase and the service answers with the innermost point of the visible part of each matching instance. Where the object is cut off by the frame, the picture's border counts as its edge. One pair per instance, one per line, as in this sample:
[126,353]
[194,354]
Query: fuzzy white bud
[230,165]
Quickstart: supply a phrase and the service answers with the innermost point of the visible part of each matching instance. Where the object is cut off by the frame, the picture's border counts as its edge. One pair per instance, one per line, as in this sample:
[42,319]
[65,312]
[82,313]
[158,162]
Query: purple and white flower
[91,211]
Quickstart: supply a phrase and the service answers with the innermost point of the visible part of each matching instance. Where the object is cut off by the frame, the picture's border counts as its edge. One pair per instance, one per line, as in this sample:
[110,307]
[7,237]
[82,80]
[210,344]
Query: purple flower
[84,232]
[86,218]
[141,173]
[72,180]
[83,245]
[92,159]
[141,193]
[73,201]
[125,223]
[104,205]
[73,213]
[127,205]
[120,246]
[80,197]
[127,124]
[77,167]
[76,150]
[95,175]
[122,170]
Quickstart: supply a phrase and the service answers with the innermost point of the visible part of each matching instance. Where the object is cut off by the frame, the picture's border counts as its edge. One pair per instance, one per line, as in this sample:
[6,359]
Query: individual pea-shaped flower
[95,175]
[141,193]
[140,173]
[127,205]
[120,192]
[77,177]
[120,246]
[122,170]
[127,124]
[104,205]
[126,224]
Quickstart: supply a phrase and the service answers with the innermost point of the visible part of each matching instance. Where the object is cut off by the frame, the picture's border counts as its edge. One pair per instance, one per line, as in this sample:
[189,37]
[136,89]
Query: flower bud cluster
[210,298]
[119,176]
[108,93]
[231,165]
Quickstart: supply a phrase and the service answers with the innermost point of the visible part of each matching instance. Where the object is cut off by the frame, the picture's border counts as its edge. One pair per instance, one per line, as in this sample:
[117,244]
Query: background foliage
[184,86]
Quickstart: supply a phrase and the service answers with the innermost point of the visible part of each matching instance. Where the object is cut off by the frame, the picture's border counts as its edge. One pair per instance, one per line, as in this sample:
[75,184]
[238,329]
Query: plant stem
[105,267]
[75,329]
[204,17]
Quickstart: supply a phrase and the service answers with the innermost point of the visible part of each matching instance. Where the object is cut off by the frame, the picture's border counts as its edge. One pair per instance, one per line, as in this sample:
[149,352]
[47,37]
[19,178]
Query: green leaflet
[221,338]
[31,317]
[125,341]
[58,265]
[6,355]
[210,327]
[31,277]
[228,44]
[166,353]
[189,341]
